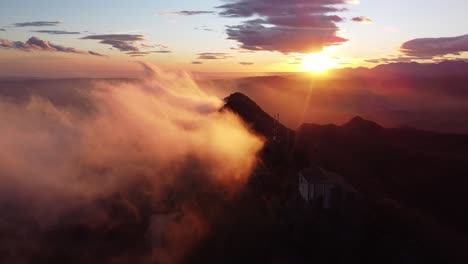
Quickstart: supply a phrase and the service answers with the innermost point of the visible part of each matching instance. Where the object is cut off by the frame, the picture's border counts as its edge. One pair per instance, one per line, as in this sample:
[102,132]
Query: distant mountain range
[425,96]
[444,68]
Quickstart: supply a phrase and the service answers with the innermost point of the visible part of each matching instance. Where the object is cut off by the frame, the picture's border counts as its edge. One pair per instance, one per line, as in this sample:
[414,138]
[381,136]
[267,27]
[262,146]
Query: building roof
[314,174]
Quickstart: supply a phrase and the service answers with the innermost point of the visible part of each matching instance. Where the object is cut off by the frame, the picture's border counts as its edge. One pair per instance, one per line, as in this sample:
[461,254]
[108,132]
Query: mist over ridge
[142,142]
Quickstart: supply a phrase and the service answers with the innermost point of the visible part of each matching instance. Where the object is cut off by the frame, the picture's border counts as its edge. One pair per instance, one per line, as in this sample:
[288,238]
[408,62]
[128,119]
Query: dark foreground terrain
[408,208]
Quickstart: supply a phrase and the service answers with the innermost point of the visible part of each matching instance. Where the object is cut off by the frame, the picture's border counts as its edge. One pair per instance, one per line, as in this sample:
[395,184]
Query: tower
[276,132]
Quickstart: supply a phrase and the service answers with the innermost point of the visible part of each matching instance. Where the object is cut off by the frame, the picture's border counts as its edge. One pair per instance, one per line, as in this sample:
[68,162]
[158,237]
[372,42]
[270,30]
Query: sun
[317,63]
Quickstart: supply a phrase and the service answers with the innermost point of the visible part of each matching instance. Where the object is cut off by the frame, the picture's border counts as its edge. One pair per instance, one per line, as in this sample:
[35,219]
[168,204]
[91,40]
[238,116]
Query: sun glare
[318,63]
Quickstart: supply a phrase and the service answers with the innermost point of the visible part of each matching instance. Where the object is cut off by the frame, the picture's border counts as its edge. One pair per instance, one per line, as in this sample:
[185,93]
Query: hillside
[413,182]
[419,169]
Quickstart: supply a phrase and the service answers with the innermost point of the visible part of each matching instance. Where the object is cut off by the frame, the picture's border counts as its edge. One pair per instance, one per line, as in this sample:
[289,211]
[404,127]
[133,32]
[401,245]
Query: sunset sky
[103,38]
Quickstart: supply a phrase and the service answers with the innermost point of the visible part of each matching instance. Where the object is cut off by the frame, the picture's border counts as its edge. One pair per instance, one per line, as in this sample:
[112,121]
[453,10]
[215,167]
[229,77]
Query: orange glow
[318,63]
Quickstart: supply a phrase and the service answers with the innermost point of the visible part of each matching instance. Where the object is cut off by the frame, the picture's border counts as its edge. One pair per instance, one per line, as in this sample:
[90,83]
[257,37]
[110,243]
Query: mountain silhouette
[367,151]
[422,173]
[419,169]
[260,121]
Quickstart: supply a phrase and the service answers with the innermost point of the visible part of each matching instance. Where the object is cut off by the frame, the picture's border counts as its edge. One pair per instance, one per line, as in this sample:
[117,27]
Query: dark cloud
[286,26]
[38,24]
[248,8]
[197,62]
[246,63]
[120,45]
[213,56]
[362,20]
[2,29]
[122,42]
[283,39]
[96,54]
[187,13]
[57,32]
[38,44]
[426,49]
[119,37]
[431,47]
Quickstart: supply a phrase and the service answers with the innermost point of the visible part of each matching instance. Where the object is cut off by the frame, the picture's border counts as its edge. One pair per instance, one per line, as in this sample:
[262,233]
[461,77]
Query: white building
[323,188]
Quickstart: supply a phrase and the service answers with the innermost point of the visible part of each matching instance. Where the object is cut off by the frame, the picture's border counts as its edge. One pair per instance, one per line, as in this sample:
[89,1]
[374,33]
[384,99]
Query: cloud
[37,44]
[120,45]
[431,47]
[138,53]
[38,24]
[118,37]
[286,26]
[406,59]
[156,45]
[197,62]
[112,172]
[2,29]
[239,50]
[246,63]
[426,49]
[161,51]
[187,13]
[122,42]
[57,32]
[213,56]
[295,60]
[204,28]
[362,20]
[144,53]
[390,59]
[96,54]
[248,8]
